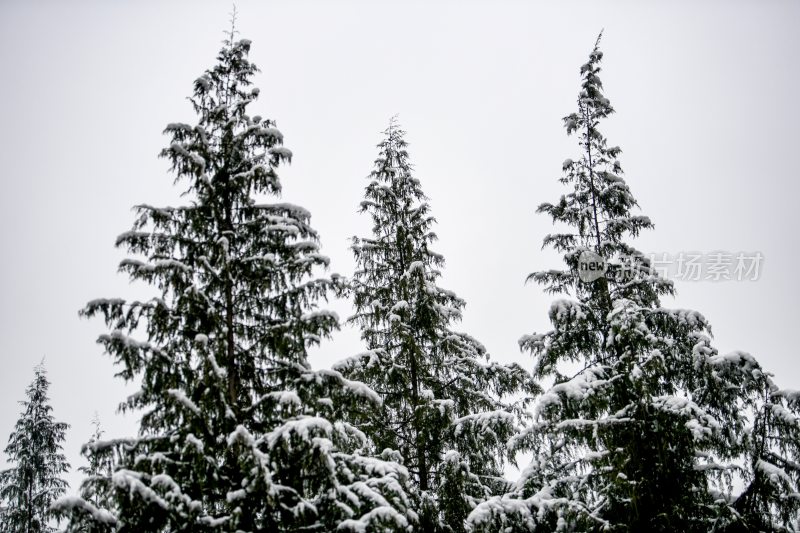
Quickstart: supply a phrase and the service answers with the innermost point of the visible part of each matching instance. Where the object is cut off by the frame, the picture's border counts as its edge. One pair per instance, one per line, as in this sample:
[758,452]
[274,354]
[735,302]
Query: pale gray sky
[707,119]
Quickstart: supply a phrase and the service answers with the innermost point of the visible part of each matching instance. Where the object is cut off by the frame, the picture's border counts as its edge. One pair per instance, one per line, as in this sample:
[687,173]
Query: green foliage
[33,483]
[443,406]
[646,426]
[237,432]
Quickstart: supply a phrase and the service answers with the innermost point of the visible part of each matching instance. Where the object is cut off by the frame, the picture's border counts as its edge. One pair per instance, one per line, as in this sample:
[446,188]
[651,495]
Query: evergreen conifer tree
[100,466]
[237,432]
[443,407]
[34,482]
[768,464]
[645,427]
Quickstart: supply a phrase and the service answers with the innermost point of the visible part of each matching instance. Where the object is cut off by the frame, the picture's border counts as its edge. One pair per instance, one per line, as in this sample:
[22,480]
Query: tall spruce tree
[646,427]
[443,407]
[237,432]
[34,482]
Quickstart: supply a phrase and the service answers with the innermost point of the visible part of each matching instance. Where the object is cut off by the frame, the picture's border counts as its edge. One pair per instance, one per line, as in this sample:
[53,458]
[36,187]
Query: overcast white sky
[707,115]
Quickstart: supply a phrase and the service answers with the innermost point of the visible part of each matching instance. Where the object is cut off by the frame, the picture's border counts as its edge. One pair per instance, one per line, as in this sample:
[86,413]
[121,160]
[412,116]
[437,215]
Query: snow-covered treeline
[633,420]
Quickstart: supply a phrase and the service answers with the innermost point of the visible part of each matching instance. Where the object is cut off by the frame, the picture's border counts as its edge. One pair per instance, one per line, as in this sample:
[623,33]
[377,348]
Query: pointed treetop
[393,122]
[232,32]
[394,133]
[96,420]
[597,42]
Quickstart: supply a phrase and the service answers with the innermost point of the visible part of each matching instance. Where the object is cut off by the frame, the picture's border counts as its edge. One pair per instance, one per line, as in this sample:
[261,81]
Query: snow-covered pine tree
[237,432]
[768,465]
[34,482]
[644,427]
[100,466]
[443,406]
[771,498]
